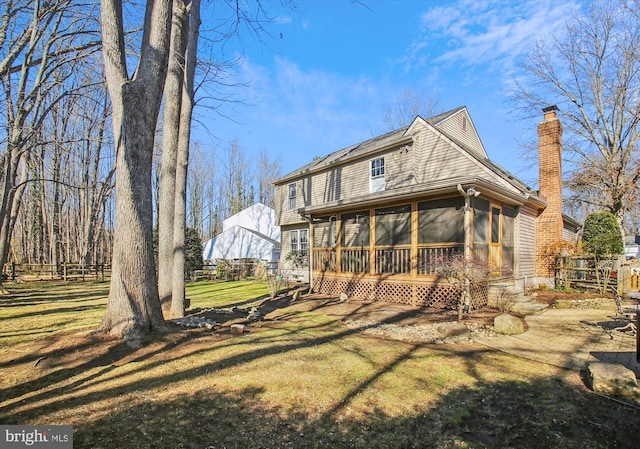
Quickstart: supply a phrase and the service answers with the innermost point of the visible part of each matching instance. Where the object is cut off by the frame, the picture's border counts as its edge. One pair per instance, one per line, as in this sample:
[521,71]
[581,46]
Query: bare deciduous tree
[133,308]
[268,171]
[407,106]
[170,137]
[39,42]
[593,74]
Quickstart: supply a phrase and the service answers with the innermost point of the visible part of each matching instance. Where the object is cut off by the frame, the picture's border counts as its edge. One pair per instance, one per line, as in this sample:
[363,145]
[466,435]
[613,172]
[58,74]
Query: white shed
[249,234]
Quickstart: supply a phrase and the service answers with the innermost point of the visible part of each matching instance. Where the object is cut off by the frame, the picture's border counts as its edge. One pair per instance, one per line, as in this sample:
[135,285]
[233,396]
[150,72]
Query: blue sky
[321,81]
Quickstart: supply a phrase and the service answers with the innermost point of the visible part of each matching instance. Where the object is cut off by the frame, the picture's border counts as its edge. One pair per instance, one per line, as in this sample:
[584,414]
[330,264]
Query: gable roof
[441,123]
[378,143]
[238,242]
[257,217]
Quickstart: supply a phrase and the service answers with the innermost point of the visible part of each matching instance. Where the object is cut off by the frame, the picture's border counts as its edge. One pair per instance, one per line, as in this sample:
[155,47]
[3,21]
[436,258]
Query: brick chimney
[549,224]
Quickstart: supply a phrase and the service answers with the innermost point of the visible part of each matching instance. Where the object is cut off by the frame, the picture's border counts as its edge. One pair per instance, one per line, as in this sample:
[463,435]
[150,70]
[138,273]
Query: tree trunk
[133,308]
[180,220]
[170,137]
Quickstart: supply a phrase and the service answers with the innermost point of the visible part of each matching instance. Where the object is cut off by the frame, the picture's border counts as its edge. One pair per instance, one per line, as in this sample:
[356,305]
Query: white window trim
[298,233]
[377,182]
[292,197]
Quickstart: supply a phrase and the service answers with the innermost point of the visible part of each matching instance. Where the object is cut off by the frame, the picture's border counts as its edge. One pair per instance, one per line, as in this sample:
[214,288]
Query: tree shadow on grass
[43,295]
[545,414]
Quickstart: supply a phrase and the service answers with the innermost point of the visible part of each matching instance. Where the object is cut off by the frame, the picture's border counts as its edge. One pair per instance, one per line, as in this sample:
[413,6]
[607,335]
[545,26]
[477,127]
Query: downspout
[309,220]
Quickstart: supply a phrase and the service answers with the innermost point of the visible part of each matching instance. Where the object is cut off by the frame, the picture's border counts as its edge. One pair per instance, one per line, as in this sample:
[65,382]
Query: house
[632,246]
[249,234]
[372,218]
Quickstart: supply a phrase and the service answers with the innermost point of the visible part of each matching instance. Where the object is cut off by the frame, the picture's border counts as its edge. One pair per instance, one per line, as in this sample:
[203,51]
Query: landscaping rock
[453,329]
[237,329]
[508,325]
[298,293]
[452,332]
[562,304]
[612,379]
[344,297]
[196,321]
[528,308]
[254,314]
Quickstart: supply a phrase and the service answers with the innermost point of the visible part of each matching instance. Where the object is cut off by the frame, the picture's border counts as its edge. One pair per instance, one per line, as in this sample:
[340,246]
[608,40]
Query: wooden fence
[64,271]
[613,274]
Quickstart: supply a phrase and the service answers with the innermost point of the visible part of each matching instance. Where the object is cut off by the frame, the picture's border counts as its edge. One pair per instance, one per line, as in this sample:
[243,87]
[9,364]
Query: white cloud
[496,33]
[283,20]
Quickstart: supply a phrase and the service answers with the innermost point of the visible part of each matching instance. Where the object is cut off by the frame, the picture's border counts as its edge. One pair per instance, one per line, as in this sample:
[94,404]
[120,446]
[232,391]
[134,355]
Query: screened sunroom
[392,252]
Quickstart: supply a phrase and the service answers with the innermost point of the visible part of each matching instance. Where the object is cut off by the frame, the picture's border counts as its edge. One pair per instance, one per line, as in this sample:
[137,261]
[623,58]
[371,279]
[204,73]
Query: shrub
[602,235]
[192,251]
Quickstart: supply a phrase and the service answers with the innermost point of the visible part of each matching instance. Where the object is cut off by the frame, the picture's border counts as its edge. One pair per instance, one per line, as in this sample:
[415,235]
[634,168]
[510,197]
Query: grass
[301,381]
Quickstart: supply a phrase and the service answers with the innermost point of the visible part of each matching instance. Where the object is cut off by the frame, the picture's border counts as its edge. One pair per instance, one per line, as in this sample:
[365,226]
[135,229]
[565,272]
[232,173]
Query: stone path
[570,338]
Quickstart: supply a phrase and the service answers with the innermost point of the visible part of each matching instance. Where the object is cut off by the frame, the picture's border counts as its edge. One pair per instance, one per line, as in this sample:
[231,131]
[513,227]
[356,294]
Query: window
[293,192]
[376,175]
[299,241]
[304,241]
[377,167]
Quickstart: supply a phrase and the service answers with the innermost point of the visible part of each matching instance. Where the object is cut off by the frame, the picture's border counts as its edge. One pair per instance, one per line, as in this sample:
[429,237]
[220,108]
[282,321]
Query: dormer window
[376,176]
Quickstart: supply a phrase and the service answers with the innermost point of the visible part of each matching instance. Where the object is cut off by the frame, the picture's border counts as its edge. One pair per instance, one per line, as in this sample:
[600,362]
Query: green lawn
[304,381]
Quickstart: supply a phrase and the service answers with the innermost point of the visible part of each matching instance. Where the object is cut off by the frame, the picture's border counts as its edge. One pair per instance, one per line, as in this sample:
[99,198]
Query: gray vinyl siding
[568,235]
[283,215]
[431,158]
[440,160]
[454,126]
[526,249]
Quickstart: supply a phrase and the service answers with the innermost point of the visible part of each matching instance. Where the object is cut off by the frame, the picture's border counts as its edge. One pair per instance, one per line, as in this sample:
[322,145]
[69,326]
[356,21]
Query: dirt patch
[550,297]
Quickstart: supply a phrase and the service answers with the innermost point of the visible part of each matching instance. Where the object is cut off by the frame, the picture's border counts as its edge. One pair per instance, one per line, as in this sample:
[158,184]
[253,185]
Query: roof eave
[300,174]
[421,191]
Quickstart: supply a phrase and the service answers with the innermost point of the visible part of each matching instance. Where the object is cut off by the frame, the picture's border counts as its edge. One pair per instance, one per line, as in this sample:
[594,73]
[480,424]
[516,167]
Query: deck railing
[428,257]
[324,260]
[354,261]
[393,261]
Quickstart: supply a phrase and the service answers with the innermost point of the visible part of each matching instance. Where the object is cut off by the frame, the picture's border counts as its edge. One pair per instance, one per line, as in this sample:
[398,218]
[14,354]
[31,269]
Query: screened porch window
[393,240]
[355,229]
[441,221]
[354,257]
[481,220]
[440,232]
[324,232]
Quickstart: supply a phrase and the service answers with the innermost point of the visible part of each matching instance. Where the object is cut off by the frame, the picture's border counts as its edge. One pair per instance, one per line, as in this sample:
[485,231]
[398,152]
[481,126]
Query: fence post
[13,271]
[621,278]
[64,271]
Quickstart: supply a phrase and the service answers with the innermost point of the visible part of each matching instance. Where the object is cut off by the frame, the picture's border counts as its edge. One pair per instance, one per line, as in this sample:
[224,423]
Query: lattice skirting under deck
[439,295]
